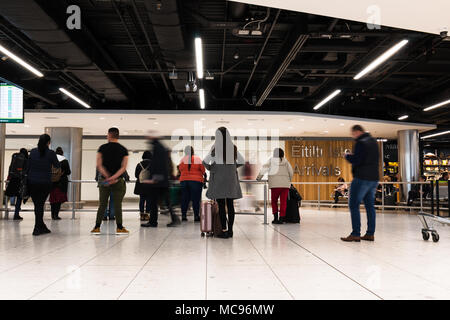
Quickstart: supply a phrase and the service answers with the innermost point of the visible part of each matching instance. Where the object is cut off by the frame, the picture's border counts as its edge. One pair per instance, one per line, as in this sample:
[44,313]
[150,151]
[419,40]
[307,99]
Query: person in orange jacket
[191,179]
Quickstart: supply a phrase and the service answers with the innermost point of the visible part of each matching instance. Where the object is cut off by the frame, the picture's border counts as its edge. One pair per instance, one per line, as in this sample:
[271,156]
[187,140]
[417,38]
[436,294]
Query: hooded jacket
[279,172]
[365,158]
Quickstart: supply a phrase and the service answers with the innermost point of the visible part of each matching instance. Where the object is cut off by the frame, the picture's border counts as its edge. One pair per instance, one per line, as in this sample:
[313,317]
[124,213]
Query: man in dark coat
[364,160]
[17,179]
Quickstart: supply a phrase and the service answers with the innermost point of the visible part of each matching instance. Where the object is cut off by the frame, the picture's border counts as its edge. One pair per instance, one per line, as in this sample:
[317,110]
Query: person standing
[58,194]
[224,187]
[158,181]
[141,189]
[40,164]
[364,160]
[16,179]
[112,161]
[280,175]
[191,179]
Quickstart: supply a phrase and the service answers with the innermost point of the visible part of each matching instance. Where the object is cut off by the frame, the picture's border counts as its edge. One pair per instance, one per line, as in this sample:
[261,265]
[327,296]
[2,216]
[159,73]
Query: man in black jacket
[364,160]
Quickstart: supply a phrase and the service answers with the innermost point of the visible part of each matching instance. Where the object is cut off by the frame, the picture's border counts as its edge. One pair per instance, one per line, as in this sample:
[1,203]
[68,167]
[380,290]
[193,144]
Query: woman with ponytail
[191,179]
[40,164]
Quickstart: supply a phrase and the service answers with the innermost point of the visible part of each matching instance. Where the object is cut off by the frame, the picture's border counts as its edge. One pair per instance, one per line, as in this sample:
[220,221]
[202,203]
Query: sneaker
[122,231]
[351,238]
[96,231]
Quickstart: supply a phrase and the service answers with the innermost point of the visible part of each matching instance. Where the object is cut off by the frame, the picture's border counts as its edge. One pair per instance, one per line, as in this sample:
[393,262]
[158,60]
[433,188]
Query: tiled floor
[306,261]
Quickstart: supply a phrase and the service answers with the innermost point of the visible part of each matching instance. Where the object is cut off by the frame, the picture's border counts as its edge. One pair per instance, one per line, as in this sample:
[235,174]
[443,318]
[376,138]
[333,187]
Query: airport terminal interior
[340,98]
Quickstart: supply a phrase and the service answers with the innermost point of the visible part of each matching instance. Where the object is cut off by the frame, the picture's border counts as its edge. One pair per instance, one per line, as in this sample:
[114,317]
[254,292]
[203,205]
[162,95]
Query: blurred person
[16,180]
[58,194]
[248,173]
[340,189]
[141,189]
[444,176]
[158,181]
[414,193]
[222,161]
[40,164]
[112,161]
[364,160]
[192,173]
[280,175]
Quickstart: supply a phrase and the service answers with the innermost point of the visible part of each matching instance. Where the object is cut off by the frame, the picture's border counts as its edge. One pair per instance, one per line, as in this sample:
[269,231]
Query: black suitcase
[293,205]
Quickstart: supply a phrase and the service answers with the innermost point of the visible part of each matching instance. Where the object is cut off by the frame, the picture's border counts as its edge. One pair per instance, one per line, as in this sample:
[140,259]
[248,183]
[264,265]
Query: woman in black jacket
[141,189]
[40,180]
[58,195]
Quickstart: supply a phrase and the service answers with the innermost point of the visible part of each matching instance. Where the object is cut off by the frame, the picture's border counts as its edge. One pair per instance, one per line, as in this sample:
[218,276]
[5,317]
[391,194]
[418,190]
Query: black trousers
[223,213]
[56,207]
[157,194]
[39,193]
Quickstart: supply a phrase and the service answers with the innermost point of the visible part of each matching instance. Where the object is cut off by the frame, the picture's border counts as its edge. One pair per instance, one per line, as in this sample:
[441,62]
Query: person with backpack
[224,187]
[280,175]
[141,189]
[191,179]
[41,163]
[58,194]
[16,180]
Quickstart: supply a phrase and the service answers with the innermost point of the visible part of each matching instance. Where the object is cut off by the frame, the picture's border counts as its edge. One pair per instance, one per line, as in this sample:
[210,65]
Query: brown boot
[368,238]
[351,238]
[142,216]
[147,216]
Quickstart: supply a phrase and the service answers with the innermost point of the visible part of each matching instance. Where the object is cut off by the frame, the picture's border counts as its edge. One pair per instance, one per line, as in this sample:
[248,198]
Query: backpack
[56,174]
[17,165]
[144,174]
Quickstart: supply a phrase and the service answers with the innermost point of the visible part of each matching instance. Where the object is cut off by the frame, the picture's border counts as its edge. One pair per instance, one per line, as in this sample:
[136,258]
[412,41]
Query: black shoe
[275,218]
[282,220]
[18,217]
[105,219]
[184,219]
[223,235]
[112,219]
[149,225]
[45,229]
[56,218]
[230,234]
[173,223]
[197,219]
[40,230]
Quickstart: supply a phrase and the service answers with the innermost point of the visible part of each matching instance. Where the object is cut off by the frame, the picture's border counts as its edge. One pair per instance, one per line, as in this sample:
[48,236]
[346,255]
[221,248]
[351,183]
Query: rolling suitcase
[209,219]
[292,207]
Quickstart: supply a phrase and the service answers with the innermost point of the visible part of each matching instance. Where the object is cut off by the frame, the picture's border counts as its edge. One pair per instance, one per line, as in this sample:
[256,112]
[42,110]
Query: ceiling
[122,56]
[197,123]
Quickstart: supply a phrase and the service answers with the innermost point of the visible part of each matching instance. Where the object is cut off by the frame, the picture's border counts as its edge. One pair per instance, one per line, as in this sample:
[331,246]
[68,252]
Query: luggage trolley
[425,218]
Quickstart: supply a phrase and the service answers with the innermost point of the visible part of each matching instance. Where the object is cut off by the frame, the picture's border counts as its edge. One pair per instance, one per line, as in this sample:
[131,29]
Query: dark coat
[159,167]
[16,179]
[63,183]
[365,158]
[40,168]
[141,188]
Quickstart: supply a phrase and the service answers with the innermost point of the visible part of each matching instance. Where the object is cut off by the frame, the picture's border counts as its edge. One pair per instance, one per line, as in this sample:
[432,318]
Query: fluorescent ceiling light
[437,105]
[403,117]
[199,57]
[201,95]
[381,59]
[324,101]
[70,95]
[436,134]
[21,62]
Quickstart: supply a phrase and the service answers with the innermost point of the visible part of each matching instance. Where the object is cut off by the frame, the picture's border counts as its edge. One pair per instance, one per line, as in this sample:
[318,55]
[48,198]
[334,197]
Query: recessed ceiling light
[403,117]
[326,131]
[20,61]
[327,99]
[437,105]
[155,122]
[342,124]
[290,127]
[302,119]
[102,118]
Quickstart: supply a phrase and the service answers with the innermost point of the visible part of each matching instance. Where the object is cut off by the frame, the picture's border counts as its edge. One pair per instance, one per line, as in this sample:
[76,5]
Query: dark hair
[424,178]
[59,151]
[113,132]
[189,151]
[357,127]
[225,134]
[147,155]
[278,153]
[24,152]
[44,140]
[340,179]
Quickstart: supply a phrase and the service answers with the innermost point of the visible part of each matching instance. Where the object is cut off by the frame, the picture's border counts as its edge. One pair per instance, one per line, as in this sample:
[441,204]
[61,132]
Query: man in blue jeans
[364,160]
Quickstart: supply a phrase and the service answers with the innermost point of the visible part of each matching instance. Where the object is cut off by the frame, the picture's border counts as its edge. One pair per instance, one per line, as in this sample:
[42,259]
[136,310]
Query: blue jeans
[191,191]
[109,212]
[144,203]
[362,190]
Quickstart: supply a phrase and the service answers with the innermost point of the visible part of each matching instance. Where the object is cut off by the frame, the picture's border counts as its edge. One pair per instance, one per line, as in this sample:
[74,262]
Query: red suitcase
[207,212]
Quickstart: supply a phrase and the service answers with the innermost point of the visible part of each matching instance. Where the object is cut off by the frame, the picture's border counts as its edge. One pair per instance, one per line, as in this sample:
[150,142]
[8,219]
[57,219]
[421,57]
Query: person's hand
[149,181]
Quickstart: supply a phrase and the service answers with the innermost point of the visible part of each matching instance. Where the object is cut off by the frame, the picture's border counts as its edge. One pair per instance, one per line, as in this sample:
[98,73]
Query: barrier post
[265,203]
[432,196]
[73,201]
[421,199]
[437,199]
[382,197]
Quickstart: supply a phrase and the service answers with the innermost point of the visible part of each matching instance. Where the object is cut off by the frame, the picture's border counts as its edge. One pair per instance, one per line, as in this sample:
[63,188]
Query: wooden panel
[318,161]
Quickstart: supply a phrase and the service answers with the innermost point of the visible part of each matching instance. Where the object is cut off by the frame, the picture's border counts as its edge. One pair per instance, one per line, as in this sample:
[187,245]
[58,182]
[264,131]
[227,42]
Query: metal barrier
[319,201]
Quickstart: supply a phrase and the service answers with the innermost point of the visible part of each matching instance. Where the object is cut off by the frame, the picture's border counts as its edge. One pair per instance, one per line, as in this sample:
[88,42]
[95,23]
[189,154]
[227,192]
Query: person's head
[24,152]
[113,134]
[422,178]
[340,179]
[224,151]
[387,179]
[278,153]
[445,176]
[147,155]
[189,151]
[59,151]
[357,131]
[44,143]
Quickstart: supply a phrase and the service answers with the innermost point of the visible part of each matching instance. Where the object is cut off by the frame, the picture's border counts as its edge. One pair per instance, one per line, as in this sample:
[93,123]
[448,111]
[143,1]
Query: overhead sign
[431,17]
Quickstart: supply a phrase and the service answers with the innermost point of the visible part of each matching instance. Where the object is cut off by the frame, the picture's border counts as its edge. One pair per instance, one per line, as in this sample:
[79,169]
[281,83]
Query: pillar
[71,141]
[408,158]
[381,159]
[2,160]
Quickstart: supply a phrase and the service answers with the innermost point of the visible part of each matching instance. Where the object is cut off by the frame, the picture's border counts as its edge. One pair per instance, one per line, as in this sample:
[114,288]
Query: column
[408,158]
[2,161]
[71,141]
[381,159]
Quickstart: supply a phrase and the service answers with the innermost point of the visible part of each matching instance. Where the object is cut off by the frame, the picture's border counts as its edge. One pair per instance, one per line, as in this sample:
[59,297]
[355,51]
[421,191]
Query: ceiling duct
[31,20]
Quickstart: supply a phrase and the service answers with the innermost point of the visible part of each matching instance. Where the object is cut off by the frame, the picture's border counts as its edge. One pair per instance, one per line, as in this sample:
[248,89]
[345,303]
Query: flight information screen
[11,103]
